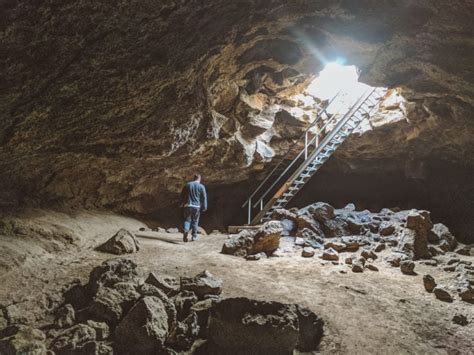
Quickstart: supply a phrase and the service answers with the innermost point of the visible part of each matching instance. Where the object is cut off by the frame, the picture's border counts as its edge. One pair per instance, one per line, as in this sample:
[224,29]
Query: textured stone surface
[123,242]
[21,339]
[105,115]
[144,328]
[239,324]
[265,239]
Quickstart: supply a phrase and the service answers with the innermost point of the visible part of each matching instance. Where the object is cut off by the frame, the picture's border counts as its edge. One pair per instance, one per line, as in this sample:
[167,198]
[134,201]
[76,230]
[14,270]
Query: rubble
[401,238]
[122,313]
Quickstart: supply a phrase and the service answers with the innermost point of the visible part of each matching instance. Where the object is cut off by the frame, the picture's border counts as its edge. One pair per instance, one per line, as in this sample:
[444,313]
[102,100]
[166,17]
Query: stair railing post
[249,212]
[306,145]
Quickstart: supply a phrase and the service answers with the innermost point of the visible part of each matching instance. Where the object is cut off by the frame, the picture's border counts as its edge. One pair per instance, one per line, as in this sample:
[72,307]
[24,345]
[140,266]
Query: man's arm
[204,198]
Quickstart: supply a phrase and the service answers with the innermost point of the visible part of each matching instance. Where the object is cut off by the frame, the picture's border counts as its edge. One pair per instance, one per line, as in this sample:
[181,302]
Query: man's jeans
[191,220]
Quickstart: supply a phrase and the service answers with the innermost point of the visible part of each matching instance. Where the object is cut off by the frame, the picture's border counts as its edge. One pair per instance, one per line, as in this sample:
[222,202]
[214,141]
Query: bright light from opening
[335,78]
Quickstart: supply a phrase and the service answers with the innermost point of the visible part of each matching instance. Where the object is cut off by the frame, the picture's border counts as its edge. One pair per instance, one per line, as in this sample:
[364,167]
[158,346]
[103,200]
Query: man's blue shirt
[194,195]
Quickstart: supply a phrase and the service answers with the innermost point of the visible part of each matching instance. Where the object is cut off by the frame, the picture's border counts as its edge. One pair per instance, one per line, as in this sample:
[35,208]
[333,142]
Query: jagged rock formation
[147,319]
[113,106]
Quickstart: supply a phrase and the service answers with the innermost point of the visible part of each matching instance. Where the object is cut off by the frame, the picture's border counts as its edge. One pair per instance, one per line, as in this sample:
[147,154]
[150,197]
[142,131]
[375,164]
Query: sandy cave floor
[382,312]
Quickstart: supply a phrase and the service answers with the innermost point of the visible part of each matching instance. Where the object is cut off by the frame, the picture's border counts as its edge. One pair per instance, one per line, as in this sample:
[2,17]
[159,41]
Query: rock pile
[119,312]
[401,238]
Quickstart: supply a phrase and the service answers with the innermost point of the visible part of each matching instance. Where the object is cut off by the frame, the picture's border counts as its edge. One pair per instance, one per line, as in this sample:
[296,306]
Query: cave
[334,139]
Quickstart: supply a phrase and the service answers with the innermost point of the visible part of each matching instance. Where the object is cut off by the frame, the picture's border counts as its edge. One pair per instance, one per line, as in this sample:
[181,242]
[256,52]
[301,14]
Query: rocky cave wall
[112,105]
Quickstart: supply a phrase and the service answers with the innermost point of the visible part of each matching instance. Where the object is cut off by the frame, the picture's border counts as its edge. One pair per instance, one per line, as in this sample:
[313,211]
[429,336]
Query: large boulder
[414,239]
[287,219]
[241,325]
[22,339]
[265,239]
[109,304]
[321,211]
[123,242]
[202,284]
[144,329]
[110,272]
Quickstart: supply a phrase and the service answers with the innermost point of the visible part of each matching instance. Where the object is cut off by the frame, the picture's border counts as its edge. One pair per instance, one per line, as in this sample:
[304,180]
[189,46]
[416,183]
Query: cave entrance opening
[341,80]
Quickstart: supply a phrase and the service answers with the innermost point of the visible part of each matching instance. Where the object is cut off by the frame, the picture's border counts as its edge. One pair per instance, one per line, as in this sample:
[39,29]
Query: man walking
[193,198]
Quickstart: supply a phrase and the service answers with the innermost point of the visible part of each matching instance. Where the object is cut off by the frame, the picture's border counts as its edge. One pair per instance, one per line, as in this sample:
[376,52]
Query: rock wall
[113,105]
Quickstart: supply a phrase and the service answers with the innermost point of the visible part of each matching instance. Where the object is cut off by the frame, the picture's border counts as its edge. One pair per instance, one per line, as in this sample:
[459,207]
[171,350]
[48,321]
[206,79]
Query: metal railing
[320,137]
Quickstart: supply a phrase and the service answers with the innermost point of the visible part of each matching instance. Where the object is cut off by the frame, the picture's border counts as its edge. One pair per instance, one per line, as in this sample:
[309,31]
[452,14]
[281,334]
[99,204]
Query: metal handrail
[349,112]
[317,119]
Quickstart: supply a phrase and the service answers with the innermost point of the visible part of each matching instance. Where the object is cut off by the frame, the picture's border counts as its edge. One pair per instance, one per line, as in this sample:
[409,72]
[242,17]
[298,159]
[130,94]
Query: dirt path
[381,312]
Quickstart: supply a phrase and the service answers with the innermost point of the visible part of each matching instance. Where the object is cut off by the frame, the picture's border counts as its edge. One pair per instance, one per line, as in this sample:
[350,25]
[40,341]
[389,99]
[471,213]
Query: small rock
[307,252]
[358,265]
[460,319]
[407,267]
[450,268]
[330,255]
[429,262]
[300,241]
[123,242]
[394,259]
[442,294]
[369,254]
[257,256]
[453,260]
[172,230]
[202,284]
[386,228]
[372,267]
[429,283]
[379,247]
[466,293]
[466,250]
[337,246]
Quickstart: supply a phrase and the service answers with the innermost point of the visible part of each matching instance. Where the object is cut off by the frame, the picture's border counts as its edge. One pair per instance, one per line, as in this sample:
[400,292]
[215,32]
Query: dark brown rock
[407,267]
[429,283]
[442,294]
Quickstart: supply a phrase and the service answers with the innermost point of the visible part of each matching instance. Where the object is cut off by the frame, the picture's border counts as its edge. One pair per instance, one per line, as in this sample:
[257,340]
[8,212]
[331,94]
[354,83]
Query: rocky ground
[384,311]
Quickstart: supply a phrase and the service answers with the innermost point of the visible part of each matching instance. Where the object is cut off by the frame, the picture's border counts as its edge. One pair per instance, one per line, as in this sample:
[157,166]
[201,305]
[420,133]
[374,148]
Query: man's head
[197,177]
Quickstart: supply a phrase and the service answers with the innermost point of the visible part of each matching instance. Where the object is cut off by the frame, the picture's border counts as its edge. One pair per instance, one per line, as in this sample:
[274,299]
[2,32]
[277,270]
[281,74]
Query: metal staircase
[322,138]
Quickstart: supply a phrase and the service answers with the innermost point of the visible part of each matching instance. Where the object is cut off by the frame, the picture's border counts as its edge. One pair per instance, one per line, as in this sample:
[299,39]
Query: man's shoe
[185,237]
[194,239]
